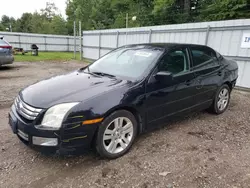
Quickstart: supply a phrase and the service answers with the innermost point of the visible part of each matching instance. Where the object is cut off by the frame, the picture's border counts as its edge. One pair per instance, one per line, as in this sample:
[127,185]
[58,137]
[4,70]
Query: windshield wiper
[89,72]
[104,74]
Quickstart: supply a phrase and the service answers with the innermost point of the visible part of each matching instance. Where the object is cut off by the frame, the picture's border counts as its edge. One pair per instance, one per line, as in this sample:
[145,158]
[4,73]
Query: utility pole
[127,20]
[74,39]
[80,37]
[10,27]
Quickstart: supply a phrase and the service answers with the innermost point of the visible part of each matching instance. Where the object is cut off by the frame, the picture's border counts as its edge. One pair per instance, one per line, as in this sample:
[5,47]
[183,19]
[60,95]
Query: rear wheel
[221,100]
[116,134]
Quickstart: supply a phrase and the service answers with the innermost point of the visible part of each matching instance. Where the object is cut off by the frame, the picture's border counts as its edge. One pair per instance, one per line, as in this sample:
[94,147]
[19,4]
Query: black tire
[214,107]
[99,139]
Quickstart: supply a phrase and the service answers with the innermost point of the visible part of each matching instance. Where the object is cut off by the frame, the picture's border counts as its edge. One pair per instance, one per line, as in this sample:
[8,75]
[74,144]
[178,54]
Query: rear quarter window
[219,56]
[203,57]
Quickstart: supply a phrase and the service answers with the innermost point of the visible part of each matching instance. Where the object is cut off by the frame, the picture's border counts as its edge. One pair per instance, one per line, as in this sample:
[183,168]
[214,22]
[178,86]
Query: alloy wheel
[118,135]
[223,99]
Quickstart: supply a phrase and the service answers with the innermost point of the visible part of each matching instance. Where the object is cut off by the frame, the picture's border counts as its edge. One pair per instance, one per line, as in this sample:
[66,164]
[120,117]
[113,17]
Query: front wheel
[221,100]
[116,134]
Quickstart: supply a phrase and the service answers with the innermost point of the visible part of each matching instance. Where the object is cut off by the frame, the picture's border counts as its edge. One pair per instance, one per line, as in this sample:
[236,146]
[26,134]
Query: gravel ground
[202,150]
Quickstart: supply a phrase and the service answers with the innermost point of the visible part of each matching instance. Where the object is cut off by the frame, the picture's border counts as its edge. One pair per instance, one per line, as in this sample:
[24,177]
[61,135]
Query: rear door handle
[219,73]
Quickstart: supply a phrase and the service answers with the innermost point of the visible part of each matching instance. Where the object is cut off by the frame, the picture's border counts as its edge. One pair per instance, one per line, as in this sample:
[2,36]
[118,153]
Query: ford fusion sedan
[132,89]
[6,56]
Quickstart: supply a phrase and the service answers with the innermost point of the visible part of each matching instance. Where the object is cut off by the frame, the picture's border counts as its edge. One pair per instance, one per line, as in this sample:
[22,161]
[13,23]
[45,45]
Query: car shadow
[169,125]
[4,68]
[11,67]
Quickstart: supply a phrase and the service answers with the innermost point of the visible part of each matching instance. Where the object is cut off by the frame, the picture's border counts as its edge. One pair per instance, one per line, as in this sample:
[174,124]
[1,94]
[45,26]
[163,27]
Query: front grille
[26,110]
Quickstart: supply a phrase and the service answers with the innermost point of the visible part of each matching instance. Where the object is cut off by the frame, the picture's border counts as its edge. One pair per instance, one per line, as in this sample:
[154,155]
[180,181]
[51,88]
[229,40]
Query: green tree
[58,25]
[224,10]
[24,23]
[79,10]
[2,27]
[8,22]
[175,11]
[50,10]
[5,21]
[164,11]
[40,24]
[102,15]
[142,9]
[105,14]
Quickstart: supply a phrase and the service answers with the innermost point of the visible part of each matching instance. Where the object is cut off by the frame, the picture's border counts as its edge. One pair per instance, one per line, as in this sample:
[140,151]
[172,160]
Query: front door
[175,96]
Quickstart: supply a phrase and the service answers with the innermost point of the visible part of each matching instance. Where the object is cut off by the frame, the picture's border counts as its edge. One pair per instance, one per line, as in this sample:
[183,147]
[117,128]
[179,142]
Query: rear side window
[203,57]
[2,42]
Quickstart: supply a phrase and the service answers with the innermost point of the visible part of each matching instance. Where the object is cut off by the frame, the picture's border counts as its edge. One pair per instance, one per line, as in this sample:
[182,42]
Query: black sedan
[129,91]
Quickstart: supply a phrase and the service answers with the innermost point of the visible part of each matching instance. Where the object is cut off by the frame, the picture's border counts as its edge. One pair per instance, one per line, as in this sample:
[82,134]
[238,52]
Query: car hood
[72,87]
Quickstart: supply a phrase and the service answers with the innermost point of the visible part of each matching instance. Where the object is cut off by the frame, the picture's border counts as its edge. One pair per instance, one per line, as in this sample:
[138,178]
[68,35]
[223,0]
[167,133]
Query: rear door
[207,70]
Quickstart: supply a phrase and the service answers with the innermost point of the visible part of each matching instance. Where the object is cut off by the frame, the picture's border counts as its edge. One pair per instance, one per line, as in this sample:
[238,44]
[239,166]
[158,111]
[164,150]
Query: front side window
[203,57]
[176,61]
[130,62]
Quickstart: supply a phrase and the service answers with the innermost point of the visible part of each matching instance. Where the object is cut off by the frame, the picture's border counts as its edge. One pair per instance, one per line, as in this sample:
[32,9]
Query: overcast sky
[15,8]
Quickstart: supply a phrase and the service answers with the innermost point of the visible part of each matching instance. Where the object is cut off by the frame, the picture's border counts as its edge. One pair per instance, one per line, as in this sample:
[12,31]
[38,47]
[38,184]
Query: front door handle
[220,73]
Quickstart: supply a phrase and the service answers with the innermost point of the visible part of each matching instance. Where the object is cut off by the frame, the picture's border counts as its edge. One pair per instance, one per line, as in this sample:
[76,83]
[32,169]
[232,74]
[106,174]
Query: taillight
[6,47]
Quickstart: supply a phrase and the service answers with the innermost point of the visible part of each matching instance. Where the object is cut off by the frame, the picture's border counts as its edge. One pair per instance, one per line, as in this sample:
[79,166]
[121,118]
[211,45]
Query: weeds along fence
[62,43]
[224,36]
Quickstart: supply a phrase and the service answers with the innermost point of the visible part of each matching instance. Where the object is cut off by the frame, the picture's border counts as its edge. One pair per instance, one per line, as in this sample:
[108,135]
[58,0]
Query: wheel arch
[230,85]
[130,109]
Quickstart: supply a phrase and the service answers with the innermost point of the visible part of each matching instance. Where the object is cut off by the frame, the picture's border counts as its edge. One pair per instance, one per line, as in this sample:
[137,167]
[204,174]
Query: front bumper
[60,141]
[6,59]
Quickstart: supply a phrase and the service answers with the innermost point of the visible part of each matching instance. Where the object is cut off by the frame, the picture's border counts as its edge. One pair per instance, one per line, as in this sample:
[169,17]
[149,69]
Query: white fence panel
[107,40]
[90,53]
[91,40]
[223,36]
[44,42]
[122,39]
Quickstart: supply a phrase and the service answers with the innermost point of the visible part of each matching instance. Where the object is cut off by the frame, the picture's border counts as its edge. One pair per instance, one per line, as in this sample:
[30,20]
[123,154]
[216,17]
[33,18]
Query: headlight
[53,118]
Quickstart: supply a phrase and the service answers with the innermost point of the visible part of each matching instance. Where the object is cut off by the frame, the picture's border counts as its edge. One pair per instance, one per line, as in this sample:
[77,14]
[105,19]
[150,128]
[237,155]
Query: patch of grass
[46,56]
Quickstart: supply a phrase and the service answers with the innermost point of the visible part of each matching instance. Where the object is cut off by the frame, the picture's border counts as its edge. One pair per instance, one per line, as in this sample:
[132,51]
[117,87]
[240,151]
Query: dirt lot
[202,150]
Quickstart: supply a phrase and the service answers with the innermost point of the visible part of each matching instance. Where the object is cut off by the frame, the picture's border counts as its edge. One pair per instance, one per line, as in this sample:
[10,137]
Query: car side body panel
[230,70]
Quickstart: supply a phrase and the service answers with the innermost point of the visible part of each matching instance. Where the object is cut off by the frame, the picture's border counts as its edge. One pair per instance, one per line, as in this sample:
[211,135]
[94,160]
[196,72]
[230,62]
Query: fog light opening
[40,141]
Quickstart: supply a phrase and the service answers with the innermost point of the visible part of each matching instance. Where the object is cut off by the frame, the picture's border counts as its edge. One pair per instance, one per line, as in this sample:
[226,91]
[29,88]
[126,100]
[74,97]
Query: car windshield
[129,62]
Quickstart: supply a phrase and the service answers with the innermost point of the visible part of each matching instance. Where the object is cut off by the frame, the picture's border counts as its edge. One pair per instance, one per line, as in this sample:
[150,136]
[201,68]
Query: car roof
[165,45]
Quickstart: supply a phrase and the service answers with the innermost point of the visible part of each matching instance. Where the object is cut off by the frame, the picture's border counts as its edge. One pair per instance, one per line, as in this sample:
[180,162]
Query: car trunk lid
[5,47]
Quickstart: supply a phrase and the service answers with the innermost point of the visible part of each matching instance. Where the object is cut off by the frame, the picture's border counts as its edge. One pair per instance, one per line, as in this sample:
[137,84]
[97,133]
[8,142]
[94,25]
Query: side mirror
[164,76]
